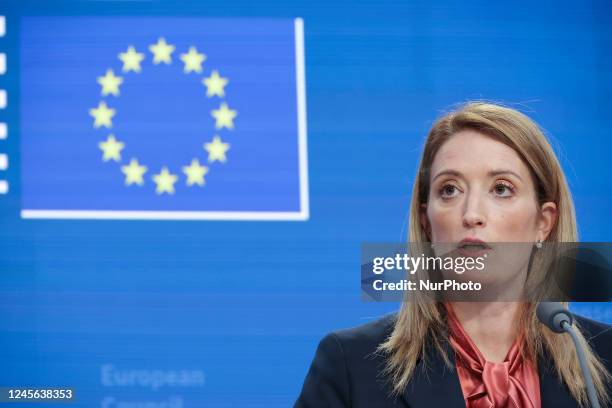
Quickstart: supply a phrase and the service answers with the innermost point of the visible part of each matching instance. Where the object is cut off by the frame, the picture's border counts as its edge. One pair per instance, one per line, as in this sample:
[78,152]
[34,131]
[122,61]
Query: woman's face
[480,188]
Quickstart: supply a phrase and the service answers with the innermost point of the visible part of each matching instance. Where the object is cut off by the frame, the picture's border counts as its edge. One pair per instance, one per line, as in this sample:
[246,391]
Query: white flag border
[302,215]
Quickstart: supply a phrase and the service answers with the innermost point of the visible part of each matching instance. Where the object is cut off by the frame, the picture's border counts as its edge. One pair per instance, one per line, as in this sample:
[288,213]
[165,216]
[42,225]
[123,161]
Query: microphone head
[552,315]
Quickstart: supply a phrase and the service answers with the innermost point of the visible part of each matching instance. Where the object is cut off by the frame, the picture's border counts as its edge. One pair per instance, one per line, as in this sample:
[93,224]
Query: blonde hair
[421,323]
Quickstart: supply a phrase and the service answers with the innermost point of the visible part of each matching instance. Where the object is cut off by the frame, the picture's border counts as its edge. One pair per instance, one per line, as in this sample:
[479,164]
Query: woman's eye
[447,191]
[503,190]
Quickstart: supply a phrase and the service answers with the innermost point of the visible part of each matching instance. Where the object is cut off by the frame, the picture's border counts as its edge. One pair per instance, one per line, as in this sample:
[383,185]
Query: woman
[487,173]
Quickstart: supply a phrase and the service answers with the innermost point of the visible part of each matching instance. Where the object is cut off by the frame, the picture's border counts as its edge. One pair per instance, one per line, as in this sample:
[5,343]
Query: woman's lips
[473,251]
[473,247]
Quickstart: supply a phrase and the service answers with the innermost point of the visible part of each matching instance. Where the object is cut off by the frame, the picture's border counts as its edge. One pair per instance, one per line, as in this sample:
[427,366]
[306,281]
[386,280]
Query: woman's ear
[424,221]
[547,220]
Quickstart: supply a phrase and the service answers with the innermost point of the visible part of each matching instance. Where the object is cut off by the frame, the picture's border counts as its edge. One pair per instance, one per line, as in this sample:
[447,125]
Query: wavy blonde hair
[421,322]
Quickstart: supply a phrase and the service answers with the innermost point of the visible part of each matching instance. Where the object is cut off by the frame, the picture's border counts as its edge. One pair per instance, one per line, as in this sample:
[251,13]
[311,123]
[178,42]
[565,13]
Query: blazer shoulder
[368,335]
[594,327]
[344,369]
[598,335]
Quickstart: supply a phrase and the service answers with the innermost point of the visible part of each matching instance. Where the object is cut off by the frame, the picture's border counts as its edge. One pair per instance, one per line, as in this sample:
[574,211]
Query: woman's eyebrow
[494,173]
[491,173]
[449,172]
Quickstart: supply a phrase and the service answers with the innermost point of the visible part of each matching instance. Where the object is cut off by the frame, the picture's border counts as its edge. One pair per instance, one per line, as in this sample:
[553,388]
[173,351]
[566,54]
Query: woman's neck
[491,326]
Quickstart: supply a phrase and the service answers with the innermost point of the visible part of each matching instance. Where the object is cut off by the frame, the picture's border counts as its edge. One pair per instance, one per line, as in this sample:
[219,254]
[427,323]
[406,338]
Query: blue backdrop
[229,313]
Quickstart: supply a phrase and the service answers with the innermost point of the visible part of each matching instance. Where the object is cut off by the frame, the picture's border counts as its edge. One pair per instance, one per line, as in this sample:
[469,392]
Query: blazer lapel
[436,385]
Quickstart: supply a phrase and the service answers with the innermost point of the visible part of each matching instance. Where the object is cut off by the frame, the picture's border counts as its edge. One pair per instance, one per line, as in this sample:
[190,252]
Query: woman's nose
[473,215]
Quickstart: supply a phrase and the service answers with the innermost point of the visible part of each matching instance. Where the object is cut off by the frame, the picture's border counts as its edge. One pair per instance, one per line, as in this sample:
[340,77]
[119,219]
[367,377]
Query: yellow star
[224,116]
[193,60]
[103,115]
[131,60]
[215,84]
[216,150]
[133,173]
[165,181]
[161,51]
[195,173]
[111,148]
[110,83]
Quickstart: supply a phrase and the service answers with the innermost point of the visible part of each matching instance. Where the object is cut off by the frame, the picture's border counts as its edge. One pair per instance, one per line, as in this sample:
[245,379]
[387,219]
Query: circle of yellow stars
[134,172]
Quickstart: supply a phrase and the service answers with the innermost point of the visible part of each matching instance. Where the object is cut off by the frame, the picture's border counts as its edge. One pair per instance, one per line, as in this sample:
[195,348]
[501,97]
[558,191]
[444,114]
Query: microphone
[558,319]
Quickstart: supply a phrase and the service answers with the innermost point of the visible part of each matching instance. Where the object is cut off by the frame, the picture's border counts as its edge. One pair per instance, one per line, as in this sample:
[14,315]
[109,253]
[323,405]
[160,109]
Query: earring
[538,244]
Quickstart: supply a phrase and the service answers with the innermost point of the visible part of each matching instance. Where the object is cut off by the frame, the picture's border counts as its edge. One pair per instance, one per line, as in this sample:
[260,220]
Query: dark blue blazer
[346,372]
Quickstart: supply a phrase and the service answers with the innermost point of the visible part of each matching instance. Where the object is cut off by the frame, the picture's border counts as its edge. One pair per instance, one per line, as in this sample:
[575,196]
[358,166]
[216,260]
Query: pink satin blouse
[514,383]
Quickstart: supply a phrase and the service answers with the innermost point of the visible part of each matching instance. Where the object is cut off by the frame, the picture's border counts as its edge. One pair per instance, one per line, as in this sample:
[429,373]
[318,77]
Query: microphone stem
[588,380]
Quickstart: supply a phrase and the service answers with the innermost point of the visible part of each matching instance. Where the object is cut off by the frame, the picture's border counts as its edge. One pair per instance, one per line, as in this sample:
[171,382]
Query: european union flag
[177,118]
